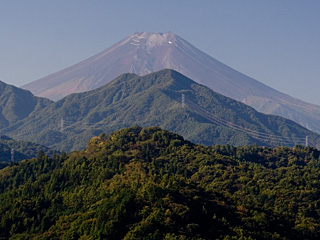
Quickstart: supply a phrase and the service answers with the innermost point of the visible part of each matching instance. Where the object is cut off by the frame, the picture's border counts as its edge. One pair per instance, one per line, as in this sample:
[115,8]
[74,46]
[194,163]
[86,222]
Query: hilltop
[149,183]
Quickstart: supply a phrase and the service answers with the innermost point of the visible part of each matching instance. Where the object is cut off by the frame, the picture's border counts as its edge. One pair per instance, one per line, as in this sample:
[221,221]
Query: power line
[256,134]
[65,125]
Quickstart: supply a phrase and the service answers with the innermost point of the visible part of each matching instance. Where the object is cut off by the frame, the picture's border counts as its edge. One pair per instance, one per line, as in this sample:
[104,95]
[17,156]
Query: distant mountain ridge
[156,100]
[143,53]
[16,151]
[16,104]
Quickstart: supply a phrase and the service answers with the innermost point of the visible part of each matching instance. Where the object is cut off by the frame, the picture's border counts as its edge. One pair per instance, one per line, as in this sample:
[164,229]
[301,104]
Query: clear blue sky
[277,42]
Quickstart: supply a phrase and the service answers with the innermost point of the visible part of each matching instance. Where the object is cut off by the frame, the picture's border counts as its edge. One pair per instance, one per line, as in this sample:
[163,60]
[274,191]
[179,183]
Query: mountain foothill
[166,99]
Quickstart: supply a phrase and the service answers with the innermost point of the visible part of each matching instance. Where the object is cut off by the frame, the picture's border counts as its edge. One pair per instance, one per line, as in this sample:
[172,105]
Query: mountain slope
[16,104]
[156,100]
[21,150]
[147,183]
[143,53]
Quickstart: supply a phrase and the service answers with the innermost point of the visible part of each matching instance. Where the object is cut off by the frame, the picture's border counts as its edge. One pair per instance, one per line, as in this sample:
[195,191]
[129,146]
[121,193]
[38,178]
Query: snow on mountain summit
[151,40]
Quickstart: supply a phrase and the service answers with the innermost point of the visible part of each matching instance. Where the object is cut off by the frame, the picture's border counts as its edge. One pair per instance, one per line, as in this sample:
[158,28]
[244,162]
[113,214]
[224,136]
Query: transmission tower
[182,100]
[306,144]
[12,155]
[61,125]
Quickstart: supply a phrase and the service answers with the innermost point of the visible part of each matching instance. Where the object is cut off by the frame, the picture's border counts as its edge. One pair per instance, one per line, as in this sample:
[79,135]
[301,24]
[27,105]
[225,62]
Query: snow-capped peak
[150,40]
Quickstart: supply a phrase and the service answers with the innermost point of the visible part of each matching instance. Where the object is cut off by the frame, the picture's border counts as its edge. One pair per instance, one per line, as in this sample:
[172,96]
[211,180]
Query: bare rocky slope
[143,53]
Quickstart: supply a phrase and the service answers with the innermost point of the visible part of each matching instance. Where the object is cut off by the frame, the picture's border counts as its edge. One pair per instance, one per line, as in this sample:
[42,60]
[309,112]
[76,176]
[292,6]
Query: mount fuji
[143,53]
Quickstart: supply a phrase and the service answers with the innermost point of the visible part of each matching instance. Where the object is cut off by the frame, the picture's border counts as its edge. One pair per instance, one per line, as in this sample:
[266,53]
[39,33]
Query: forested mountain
[17,104]
[143,53]
[166,99]
[21,150]
[146,183]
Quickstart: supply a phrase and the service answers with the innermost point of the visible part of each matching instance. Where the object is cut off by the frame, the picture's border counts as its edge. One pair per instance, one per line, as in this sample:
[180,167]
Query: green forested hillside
[147,183]
[204,117]
[22,150]
[16,104]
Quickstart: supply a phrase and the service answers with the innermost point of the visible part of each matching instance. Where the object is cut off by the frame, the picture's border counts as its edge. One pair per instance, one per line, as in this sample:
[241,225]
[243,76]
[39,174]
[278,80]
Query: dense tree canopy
[146,183]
